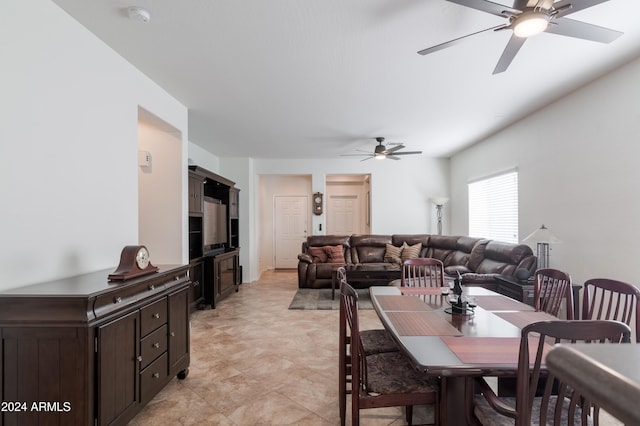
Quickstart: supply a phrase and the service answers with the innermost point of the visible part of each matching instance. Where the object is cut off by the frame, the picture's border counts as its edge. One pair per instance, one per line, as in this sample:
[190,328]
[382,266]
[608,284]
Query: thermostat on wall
[144,158]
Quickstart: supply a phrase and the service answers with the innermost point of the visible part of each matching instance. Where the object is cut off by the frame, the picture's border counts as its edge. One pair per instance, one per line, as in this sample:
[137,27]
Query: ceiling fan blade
[487,6]
[510,51]
[368,158]
[407,153]
[394,149]
[355,155]
[571,6]
[392,157]
[578,29]
[457,40]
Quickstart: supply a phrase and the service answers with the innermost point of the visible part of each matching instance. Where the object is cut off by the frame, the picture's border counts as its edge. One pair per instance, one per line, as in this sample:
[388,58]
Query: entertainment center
[214,239]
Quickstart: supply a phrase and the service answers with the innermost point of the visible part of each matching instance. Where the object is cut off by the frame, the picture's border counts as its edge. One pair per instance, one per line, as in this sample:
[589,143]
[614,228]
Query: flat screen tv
[214,223]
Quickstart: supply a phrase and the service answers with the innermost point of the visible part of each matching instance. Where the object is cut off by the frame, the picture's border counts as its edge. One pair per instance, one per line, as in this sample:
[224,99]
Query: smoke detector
[140,14]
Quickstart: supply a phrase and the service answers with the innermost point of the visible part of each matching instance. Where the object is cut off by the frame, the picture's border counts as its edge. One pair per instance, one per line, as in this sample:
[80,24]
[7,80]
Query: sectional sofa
[478,260]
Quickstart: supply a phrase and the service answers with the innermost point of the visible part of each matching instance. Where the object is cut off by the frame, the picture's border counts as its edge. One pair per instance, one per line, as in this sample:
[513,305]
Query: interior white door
[343,215]
[290,229]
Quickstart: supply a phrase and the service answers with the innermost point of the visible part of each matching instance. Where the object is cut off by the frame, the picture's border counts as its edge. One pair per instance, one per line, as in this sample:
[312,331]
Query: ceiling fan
[381,151]
[530,17]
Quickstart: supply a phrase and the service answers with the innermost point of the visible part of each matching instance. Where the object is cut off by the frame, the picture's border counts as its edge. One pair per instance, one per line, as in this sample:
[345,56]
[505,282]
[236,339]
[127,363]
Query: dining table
[608,375]
[481,340]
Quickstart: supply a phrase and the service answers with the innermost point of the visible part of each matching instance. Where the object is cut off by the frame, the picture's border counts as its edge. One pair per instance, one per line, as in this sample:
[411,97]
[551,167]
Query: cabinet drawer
[153,316]
[153,346]
[153,378]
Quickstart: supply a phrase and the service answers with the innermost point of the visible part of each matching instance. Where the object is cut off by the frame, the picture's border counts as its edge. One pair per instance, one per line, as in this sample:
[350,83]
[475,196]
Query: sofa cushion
[369,248]
[335,254]
[318,254]
[399,239]
[411,252]
[393,254]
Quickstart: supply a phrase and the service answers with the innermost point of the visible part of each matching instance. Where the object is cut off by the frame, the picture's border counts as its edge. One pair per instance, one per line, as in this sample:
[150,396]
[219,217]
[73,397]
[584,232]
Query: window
[493,207]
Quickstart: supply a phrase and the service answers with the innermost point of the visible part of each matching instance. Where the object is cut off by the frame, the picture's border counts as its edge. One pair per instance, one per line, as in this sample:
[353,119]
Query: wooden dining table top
[444,344]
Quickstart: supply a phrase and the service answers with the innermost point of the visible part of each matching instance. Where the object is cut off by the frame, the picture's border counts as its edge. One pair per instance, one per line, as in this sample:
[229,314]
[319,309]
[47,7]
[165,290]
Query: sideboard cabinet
[83,351]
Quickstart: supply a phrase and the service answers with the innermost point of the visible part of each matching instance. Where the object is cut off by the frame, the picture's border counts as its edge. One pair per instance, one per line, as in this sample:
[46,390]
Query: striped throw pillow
[393,254]
[410,252]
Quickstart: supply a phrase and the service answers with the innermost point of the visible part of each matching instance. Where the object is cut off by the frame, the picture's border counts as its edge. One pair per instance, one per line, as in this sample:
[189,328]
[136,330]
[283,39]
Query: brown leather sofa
[478,260]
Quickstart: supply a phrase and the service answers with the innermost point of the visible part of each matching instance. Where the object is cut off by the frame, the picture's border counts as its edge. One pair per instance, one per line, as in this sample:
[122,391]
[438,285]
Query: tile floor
[255,362]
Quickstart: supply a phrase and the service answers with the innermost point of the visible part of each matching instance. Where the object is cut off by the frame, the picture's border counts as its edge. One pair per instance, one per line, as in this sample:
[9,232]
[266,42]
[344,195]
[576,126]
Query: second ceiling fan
[381,151]
[530,17]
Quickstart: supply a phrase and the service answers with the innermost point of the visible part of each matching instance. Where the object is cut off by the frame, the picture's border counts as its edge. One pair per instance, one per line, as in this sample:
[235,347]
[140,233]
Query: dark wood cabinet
[100,350]
[214,268]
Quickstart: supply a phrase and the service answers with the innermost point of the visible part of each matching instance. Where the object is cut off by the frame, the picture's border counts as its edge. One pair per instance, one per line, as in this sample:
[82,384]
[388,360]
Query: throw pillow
[318,254]
[410,252]
[393,254]
[334,254]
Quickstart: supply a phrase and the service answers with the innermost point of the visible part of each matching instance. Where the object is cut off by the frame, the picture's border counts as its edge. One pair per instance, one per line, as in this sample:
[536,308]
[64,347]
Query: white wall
[159,193]
[68,146]
[578,175]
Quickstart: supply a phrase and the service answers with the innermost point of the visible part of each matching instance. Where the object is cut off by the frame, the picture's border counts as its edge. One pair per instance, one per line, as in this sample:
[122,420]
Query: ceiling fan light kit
[530,23]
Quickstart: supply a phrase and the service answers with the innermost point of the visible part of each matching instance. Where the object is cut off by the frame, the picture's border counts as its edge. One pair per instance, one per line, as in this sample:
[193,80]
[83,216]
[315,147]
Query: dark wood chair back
[536,339]
[541,398]
[422,272]
[609,299]
[390,368]
[551,288]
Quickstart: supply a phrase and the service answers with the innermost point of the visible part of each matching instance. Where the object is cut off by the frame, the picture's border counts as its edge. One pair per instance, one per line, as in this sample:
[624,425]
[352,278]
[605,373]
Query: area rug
[320,299]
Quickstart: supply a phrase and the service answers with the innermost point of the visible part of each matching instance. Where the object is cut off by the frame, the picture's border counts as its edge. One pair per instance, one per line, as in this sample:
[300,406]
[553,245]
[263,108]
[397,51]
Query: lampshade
[542,235]
[439,201]
[530,23]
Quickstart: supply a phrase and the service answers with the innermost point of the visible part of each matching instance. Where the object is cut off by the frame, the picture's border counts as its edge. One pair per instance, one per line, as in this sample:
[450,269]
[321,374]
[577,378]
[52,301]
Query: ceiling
[322,78]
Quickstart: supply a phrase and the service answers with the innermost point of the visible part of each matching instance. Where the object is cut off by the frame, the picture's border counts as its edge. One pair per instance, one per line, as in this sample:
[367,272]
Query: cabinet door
[196,189]
[46,364]
[179,332]
[196,274]
[118,369]
[226,270]
[233,203]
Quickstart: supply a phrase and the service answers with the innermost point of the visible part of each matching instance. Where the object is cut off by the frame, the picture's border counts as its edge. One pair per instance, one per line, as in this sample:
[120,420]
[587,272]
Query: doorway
[348,204]
[290,229]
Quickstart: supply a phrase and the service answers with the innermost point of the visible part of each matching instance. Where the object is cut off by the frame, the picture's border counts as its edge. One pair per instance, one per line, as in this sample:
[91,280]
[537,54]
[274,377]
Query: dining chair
[372,342]
[422,272]
[550,288]
[384,379]
[558,404]
[609,299]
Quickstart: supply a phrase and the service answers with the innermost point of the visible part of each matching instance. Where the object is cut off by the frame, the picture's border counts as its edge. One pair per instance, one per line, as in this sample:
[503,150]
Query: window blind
[493,207]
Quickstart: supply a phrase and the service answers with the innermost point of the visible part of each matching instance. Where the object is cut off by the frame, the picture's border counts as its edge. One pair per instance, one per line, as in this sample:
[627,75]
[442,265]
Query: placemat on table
[421,323]
[501,303]
[490,350]
[402,303]
[421,290]
[521,319]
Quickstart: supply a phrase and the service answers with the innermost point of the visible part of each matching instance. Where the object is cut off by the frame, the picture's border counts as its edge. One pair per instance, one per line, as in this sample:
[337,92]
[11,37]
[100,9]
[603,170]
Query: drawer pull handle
[152,287]
[139,358]
[156,315]
[156,345]
[117,300]
[176,278]
[173,334]
[156,375]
